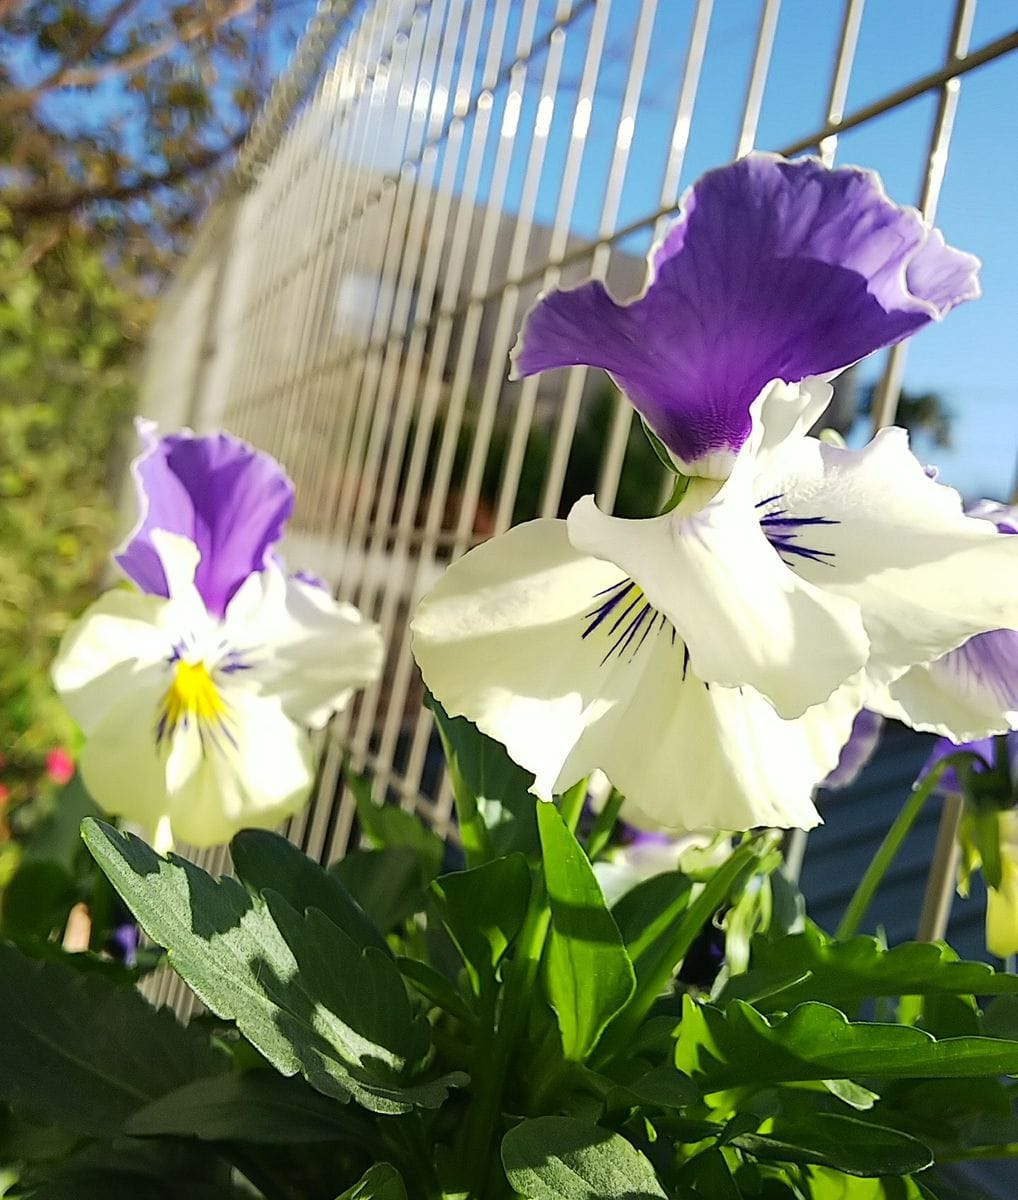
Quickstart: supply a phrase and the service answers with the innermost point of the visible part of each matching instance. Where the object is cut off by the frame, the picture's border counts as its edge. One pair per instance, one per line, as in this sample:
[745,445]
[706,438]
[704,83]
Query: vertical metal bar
[454,264]
[844,60]
[885,400]
[622,417]
[527,393]
[936,910]
[758,77]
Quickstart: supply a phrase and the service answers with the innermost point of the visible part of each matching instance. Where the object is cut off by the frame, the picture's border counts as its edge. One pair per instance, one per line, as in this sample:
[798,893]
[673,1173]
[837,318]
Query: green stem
[888,851]
[485,1113]
[601,834]
[728,878]
[571,804]
[474,834]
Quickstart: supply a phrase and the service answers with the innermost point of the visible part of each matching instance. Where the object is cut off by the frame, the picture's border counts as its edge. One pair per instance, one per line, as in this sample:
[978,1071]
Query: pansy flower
[712,660]
[196,693]
[971,692]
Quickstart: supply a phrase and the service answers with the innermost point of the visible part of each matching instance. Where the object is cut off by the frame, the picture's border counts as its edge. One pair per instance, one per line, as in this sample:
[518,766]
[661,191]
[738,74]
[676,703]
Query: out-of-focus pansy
[857,751]
[774,270]
[196,693]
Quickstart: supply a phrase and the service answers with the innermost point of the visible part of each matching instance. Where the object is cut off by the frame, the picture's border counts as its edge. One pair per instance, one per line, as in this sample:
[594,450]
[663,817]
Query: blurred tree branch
[43,203]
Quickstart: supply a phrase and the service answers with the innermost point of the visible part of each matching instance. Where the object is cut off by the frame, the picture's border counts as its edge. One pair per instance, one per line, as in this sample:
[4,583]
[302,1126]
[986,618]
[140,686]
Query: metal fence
[352,300]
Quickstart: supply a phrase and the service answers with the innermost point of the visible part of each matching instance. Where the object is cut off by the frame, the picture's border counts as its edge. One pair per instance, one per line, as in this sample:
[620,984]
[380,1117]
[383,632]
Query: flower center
[627,618]
[192,697]
[784,532]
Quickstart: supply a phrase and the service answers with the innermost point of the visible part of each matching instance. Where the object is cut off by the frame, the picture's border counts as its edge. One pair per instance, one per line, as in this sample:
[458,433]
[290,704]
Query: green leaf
[380,1182]
[559,1158]
[811,966]
[266,860]
[662,1087]
[500,787]
[589,975]
[711,1177]
[738,1047]
[388,826]
[387,884]
[826,1184]
[483,909]
[256,1106]
[137,1169]
[844,1143]
[37,900]
[646,917]
[86,1053]
[434,987]
[299,989]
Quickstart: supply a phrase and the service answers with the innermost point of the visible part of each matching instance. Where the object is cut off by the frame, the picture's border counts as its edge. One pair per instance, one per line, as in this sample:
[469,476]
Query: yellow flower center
[192,696]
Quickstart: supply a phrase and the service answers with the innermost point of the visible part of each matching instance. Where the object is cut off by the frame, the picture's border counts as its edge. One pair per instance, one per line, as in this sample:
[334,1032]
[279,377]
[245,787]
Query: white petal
[926,576]
[264,778]
[115,647]
[121,763]
[306,648]
[746,618]
[501,641]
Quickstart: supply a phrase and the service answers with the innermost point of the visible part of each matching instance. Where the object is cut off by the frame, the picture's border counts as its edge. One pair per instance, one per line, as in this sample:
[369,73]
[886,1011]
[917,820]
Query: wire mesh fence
[352,301]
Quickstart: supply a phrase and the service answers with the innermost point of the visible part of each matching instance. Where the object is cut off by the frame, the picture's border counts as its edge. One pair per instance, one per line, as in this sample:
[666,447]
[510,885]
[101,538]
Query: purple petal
[984,669]
[1004,516]
[231,500]
[949,782]
[857,751]
[774,270]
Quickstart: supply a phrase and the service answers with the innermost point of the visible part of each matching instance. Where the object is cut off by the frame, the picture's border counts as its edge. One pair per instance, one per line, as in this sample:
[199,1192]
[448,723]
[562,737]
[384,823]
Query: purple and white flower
[711,661]
[196,693]
[971,692]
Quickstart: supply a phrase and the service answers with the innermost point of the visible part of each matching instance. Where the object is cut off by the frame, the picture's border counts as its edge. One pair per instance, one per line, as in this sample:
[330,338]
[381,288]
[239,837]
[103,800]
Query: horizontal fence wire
[422,173]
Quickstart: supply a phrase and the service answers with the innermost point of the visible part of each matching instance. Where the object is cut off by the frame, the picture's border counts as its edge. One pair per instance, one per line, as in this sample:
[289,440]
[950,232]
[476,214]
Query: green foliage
[84,1053]
[68,335]
[380,1182]
[557,1158]
[305,994]
[589,974]
[480,768]
[484,909]
[504,1032]
[256,1106]
[737,1046]
[812,966]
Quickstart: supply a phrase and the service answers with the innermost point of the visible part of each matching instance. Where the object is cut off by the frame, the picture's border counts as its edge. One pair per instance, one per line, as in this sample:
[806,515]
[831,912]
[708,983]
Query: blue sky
[972,359]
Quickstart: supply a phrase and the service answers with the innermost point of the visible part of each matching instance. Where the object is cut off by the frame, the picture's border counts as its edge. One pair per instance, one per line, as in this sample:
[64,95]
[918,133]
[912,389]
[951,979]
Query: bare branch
[42,203]
[23,98]
[84,48]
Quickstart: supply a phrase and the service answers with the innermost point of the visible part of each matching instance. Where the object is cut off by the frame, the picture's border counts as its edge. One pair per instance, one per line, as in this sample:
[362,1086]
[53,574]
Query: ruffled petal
[300,645]
[117,645]
[774,270]
[870,525]
[970,693]
[231,500]
[510,638]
